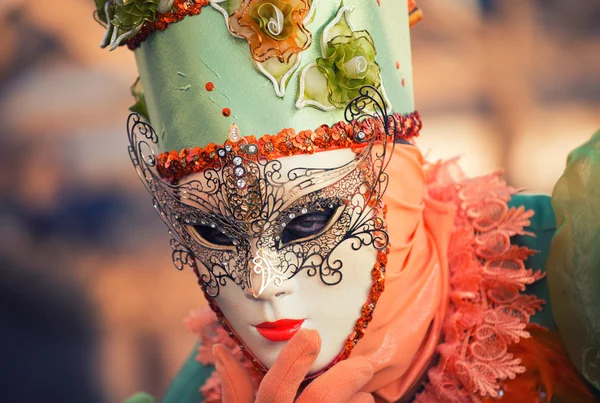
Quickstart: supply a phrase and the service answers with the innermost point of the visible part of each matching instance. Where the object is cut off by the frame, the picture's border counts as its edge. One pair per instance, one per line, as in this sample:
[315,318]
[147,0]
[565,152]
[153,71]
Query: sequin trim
[367,310]
[180,10]
[175,165]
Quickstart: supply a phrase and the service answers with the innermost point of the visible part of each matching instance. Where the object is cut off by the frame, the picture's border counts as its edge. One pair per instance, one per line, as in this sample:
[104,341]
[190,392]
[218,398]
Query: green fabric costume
[570,252]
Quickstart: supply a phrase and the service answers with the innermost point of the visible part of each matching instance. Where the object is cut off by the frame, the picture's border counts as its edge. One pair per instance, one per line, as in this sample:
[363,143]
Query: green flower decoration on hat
[125,18]
[347,65]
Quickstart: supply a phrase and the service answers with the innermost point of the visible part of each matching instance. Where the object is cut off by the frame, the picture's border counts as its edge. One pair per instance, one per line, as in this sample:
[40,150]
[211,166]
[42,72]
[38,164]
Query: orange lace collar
[487,308]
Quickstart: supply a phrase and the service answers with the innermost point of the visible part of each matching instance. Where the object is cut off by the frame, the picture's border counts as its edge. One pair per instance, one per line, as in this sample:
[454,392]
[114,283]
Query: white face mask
[280,244]
[283,295]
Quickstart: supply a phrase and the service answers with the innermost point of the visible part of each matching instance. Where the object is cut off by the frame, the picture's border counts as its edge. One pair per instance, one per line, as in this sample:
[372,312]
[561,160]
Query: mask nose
[266,279]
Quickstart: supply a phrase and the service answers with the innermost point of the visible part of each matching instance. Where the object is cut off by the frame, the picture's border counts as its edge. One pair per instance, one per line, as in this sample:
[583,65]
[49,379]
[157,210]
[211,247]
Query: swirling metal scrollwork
[253,213]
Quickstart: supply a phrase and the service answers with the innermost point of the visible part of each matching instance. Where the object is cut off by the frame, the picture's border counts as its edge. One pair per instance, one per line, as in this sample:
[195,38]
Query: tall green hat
[263,65]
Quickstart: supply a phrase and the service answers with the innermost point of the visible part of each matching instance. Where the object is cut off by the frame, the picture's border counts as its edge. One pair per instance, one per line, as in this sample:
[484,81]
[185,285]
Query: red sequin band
[180,9]
[176,165]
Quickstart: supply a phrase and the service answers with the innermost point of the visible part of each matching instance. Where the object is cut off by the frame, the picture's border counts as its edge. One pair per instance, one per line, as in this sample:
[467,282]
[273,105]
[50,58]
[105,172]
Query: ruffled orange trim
[175,165]
[487,311]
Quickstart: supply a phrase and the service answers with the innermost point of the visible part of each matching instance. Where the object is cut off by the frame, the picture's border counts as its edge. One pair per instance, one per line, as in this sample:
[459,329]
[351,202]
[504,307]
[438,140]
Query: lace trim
[487,312]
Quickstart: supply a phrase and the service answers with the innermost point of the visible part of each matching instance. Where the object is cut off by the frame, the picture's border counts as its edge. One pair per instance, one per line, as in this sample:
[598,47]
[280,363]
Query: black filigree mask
[252,222]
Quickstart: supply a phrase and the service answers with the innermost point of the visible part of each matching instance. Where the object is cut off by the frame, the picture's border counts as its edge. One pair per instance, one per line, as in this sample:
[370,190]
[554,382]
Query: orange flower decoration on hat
[273,28]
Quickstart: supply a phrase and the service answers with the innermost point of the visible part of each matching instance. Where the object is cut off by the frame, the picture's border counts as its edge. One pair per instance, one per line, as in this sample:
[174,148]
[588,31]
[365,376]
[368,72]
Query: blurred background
[91,309]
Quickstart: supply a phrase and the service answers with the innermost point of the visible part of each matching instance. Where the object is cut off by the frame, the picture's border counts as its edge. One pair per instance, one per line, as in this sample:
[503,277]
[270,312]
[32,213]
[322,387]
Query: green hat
[265,65]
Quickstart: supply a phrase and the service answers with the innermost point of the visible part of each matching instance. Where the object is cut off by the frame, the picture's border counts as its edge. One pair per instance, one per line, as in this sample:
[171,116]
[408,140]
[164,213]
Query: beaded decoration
[415,15]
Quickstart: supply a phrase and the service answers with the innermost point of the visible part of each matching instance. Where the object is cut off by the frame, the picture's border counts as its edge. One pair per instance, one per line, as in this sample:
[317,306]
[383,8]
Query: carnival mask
[286,242]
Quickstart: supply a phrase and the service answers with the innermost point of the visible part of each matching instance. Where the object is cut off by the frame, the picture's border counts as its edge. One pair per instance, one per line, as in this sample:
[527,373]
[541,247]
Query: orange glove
[340,384]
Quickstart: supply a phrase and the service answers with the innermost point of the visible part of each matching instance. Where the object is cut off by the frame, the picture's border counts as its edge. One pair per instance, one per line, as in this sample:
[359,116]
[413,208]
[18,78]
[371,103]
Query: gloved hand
[340,384]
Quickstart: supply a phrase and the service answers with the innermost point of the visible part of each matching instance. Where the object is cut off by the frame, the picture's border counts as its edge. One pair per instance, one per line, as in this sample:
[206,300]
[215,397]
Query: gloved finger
[362,397]
[340,383]
[235,381]
[282,381]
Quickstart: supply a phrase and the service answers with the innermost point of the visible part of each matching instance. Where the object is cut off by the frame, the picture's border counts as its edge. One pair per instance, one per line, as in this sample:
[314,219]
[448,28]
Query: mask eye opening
[210,236]
[310,225]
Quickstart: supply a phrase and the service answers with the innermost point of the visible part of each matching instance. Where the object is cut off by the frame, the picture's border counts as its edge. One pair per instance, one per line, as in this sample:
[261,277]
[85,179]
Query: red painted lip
[282,330]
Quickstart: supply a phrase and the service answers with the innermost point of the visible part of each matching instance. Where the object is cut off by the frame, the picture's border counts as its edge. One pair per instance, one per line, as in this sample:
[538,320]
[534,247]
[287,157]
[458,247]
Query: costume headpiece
[265,65]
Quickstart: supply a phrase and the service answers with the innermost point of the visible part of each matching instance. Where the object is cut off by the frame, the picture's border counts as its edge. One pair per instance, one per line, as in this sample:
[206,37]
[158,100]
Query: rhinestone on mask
[237,161]
[239,171]
[252,149]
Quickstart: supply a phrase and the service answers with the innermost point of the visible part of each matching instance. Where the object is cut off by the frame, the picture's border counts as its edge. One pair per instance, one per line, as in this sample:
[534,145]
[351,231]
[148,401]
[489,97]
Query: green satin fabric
[176,64]
[574,260]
